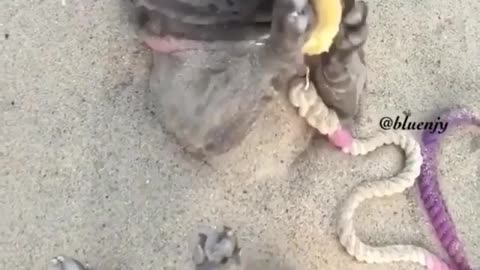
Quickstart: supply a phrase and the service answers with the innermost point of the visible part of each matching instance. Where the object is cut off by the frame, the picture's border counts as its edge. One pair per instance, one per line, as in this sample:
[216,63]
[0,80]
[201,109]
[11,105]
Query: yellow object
[329,17]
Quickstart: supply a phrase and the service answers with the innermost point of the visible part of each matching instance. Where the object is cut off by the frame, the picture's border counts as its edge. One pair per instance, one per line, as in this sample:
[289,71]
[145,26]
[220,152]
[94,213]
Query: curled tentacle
[312,108]
[430,191]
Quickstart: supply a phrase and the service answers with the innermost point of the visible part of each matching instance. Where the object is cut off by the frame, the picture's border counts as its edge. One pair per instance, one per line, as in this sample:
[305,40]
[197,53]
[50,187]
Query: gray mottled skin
[65,263]
[341,75]
[210,97]
[215,249]
[212,249]
[207,12]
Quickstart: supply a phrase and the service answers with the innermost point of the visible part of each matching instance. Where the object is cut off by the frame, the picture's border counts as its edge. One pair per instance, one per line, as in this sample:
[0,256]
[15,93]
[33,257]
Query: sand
[86,170]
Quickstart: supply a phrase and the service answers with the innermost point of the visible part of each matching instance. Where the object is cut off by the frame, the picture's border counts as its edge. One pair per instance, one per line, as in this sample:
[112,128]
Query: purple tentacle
[430,190]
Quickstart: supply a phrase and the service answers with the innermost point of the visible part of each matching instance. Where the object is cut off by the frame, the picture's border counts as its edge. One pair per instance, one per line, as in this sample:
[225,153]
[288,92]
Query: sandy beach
[86,170]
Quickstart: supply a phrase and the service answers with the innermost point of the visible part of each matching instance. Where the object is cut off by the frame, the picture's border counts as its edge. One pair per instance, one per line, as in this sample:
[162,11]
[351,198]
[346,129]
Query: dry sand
[86,171]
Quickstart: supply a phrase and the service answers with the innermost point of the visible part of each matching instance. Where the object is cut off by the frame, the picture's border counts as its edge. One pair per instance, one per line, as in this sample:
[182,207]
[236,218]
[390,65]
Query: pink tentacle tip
[434,263]
[341,138]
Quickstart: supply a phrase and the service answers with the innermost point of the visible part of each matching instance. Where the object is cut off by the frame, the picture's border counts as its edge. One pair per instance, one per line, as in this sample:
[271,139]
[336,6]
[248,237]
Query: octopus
[218,63]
